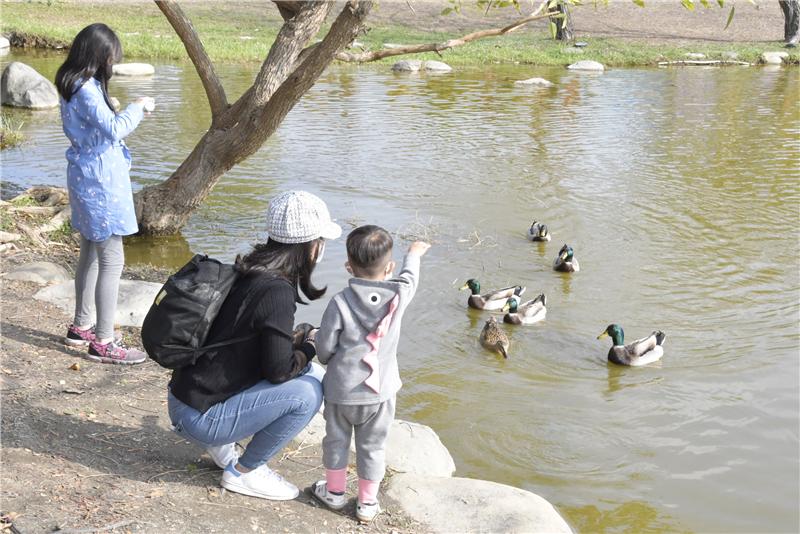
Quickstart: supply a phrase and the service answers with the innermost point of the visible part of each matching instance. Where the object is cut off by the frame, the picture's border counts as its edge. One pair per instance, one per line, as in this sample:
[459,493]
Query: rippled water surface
[679,190]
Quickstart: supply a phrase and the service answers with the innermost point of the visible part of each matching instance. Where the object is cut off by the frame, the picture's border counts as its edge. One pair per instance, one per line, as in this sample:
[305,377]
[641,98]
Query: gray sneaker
[367,512]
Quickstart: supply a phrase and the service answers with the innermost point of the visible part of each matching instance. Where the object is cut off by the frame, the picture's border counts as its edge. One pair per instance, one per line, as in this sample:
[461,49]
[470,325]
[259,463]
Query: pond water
[679,190]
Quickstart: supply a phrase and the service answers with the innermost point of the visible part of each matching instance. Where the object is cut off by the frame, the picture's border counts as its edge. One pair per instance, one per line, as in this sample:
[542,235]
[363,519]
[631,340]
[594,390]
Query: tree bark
[791,22]
[240,130]
[564,27]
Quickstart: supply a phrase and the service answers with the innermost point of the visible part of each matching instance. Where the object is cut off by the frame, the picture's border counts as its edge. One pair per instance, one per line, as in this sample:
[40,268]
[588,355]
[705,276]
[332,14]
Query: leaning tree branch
[197,53]
[375,55]
[292,37]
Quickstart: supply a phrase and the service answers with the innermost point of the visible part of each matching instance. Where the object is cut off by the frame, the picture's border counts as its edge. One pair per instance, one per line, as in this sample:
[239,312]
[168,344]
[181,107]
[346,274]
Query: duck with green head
[636,353]
[530,312]
[493,300]
[494,338]
[566,261]
[538,232]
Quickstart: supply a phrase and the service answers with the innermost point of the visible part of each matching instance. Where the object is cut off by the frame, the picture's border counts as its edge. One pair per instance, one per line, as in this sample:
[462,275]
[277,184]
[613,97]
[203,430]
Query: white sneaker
[223,454]
[319,490]
[261,482]
[367,512]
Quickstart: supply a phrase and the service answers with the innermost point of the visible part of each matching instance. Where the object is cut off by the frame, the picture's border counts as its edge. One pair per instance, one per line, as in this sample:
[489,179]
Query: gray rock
[4,43]
[436,66]
[41,272]
[730,55]
[694,55]
[410,447]
[774,58]
[407,65]
[133,69]
[587,64]
[21,86]
[135,298]
[541,82]
[469,505]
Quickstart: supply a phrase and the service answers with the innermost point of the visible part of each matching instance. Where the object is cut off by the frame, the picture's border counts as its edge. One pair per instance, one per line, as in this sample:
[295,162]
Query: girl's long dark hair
[93,52]
[293,261]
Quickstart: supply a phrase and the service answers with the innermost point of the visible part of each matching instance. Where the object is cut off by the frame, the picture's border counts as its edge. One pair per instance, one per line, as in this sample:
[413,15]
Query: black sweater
[264,304]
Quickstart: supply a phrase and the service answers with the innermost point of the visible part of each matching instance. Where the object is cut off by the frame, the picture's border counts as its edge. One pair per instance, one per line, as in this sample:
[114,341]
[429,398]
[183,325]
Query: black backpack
[177,325]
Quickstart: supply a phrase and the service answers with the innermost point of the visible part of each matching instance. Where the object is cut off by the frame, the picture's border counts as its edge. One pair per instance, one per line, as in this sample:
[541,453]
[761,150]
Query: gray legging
[97,282]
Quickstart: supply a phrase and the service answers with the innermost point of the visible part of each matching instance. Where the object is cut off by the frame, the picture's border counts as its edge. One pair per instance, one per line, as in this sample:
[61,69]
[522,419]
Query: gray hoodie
[363,322]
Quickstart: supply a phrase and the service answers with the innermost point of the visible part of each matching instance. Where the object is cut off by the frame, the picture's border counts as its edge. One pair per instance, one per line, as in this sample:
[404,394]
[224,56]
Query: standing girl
[99,187]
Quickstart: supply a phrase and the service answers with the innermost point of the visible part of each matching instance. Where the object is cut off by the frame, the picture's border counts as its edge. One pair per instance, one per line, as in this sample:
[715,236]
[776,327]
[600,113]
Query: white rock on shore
[470,505]
[21,86]
[133,303]
[774,58]
[407,65]
[133,69]
[40,272]
[436,66]
[587,64]
[4,42]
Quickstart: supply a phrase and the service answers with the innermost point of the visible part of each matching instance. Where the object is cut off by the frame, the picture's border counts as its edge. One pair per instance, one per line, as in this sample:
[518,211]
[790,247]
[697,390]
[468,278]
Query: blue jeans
[272,413]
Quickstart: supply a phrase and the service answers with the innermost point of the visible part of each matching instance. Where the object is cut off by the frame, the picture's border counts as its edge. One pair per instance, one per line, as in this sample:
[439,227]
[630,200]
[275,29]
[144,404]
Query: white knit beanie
[299,217]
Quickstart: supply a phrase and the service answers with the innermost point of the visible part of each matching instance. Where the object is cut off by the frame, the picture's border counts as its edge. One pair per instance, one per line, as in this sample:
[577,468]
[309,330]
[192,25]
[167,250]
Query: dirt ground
[661,21]
[86,447]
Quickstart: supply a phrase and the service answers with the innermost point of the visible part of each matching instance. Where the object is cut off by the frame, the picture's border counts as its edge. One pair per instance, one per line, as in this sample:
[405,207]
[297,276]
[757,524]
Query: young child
[99,187]
[358,340]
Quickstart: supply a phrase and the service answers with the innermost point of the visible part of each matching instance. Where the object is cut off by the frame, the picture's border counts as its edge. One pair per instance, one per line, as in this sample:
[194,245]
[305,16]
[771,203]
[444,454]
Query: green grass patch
[10,132]
[244,32]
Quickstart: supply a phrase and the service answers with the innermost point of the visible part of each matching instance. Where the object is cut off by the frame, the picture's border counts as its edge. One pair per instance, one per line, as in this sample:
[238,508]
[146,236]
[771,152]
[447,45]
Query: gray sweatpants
[97,283]
[371,424]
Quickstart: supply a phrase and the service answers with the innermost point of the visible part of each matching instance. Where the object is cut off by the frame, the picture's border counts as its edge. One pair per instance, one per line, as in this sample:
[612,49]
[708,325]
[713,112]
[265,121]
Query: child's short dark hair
[369,249]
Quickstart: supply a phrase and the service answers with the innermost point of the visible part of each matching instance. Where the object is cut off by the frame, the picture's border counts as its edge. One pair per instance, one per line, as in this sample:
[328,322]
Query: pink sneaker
[81,338]
[114,352]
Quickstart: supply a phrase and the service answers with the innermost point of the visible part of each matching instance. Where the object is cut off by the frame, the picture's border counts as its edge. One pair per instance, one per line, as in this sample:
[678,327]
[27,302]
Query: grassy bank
[10,134]
[244,32]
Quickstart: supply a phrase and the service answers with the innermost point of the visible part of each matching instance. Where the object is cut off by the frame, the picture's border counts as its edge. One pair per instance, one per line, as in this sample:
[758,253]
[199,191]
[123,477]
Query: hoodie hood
[369,300]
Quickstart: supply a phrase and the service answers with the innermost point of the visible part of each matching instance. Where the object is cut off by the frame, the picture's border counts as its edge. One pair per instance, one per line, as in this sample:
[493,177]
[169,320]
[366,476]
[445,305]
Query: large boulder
[410,447]
[41,272]
[133,69]
[470,505]
[4,42]
[587,64]
[21,86]
[134,300]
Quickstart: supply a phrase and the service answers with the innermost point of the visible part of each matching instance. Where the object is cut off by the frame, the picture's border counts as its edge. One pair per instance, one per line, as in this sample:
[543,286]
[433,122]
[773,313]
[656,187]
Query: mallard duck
[640,352]
[566,262]
[494,300]
[538,232]
[531,312]
[493,337]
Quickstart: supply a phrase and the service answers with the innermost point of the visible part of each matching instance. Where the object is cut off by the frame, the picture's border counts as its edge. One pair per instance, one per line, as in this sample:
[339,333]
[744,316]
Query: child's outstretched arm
[327,337]
[115,126]
[410,270]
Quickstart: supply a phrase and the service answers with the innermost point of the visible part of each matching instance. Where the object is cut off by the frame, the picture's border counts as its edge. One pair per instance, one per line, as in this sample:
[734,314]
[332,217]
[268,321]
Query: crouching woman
[265,386]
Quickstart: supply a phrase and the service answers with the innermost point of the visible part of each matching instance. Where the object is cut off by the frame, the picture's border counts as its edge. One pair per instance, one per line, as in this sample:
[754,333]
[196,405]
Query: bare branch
[375,55]
[292,37]
[197,53]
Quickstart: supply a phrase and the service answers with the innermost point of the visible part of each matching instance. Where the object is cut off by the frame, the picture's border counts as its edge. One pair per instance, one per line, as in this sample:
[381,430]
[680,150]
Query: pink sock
[368,491]
[336,480]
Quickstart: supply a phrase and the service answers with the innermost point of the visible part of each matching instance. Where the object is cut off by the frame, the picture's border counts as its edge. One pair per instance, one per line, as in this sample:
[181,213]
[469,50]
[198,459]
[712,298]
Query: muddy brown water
[679,190]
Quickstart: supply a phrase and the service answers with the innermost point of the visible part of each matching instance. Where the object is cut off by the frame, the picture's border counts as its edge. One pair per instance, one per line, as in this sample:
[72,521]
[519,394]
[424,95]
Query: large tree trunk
[791,21]
[564,29]
[239,130]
